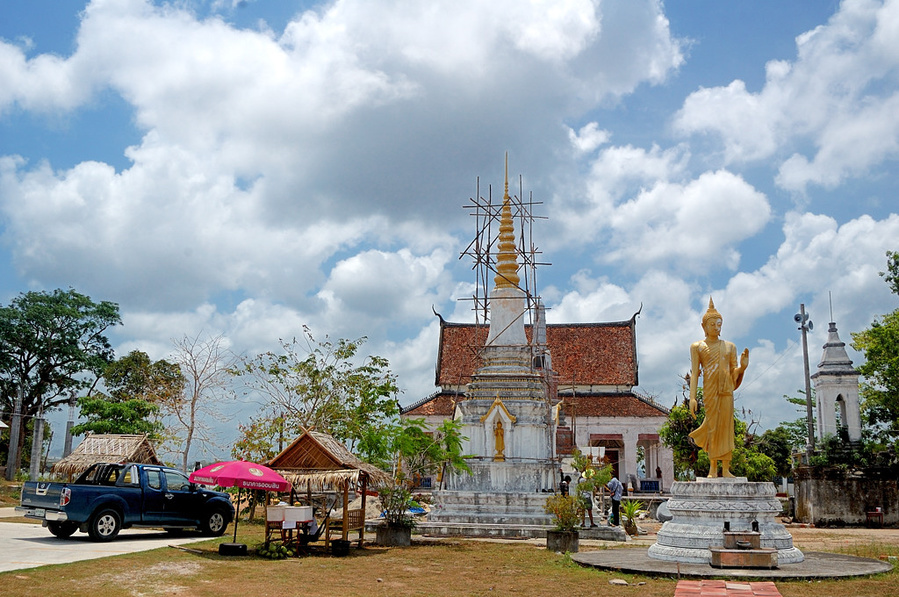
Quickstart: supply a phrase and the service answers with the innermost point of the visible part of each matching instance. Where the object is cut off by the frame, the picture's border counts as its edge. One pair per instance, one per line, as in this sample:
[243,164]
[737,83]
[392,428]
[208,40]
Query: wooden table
[286,530]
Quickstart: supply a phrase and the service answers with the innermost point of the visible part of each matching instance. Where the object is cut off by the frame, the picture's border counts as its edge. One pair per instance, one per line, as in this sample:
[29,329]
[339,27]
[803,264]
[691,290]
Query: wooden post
[346,513]
[364,490]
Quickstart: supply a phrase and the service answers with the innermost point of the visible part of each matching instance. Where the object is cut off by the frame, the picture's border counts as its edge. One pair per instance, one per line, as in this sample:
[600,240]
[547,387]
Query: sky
[245,168]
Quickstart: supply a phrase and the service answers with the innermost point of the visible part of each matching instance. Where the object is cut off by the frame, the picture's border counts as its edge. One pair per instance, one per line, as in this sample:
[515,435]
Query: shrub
[565,510]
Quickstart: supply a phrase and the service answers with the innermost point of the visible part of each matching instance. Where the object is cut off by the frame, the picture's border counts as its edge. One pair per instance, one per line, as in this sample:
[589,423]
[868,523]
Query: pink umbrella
[240,474]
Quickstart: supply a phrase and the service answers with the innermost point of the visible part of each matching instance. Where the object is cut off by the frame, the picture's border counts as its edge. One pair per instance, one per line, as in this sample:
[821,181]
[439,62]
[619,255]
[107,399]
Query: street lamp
[806,325]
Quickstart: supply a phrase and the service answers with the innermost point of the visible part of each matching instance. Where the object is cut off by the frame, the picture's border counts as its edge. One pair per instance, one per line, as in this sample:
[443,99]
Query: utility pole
[67,445]
[15,429]
[37,446]
[805,325]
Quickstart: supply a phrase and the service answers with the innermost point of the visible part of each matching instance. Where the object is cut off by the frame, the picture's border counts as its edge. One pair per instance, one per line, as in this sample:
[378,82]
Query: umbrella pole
[236,514]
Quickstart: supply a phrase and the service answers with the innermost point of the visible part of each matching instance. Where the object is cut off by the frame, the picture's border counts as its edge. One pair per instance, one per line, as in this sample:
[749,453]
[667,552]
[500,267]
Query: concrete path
[24,545]
[816,565]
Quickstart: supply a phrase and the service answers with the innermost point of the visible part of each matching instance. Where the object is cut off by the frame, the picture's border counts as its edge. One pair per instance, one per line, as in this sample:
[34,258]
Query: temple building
[528,394]
[596,372]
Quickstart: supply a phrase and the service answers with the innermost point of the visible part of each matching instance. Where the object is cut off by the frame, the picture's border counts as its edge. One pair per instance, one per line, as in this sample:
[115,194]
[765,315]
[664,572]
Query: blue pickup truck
[107,498]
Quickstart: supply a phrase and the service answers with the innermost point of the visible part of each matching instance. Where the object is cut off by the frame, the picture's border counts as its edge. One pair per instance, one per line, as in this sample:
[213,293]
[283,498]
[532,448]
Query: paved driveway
[24,545]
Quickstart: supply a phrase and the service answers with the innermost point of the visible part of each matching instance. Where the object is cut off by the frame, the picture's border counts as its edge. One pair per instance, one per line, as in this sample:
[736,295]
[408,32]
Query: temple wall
[829,497]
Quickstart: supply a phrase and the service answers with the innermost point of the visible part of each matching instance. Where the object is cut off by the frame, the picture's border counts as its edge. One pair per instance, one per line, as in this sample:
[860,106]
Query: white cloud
[591,300]
[43,83]
[379,287]
[649,213]
[170,232]
[264,156]
[818,256]
[692,226]
[588,137]
[839,95]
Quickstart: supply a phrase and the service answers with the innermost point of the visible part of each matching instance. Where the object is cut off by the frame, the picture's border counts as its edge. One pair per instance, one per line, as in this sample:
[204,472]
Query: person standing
[564,485]
[615,490]
[585,494]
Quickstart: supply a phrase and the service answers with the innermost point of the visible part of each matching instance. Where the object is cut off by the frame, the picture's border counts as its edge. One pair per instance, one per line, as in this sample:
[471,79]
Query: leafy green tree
[747,460]
[778,445]
[260,440]
[798,428]
[880,345]
[128,416]
[675,433]
[407,448]
[52,343]
[319,386]
[135,387]
[892,274]
[593,476]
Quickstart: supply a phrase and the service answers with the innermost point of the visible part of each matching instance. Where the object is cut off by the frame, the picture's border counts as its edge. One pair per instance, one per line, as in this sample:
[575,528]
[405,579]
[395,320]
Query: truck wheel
[63,530]
[105,525]
[214,524]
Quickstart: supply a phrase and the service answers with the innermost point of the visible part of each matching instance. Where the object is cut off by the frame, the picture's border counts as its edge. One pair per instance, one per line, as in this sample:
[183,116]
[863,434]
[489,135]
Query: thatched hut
[107,448]
[316,462]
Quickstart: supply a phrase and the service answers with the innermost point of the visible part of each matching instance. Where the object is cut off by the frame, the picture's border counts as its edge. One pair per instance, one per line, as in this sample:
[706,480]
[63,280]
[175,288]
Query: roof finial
[506,188]
[506,259]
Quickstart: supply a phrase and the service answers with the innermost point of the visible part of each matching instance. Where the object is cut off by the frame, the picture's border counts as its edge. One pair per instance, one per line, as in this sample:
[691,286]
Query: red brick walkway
[724,588]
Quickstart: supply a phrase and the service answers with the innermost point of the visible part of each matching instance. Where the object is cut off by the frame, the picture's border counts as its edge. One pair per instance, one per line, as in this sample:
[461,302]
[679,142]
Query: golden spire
[506,259]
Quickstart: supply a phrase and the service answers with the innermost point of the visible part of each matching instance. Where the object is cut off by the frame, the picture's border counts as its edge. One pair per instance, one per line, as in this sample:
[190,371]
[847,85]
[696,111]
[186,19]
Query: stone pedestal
[742,549]
[699,510]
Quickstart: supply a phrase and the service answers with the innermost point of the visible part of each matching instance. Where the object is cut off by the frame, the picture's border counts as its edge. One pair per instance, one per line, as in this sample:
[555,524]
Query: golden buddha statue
[716,361]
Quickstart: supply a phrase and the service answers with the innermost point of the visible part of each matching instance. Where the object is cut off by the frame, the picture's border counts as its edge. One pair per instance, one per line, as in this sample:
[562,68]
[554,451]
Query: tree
[798,428]
[747,461]
[319,386]
[135,388]
[51,343]
[206,366]
[892,274]
[260,440]
[880,345]
[675,433]
[778,444]
[408,449]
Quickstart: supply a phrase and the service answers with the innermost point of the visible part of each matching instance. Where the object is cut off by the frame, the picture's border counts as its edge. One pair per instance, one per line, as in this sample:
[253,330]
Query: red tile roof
[623,404]
[619,404]
[582,353]
[440,404]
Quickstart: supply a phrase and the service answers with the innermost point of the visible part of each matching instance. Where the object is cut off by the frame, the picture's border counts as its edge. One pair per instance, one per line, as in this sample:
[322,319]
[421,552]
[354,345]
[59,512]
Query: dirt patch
[158,579]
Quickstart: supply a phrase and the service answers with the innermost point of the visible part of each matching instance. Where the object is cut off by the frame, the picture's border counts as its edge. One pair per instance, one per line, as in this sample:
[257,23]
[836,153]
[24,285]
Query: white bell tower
[836,390]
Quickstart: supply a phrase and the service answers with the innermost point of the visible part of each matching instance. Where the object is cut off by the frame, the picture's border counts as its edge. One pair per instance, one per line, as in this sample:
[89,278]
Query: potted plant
[566,514]
[629,511]
[398,523]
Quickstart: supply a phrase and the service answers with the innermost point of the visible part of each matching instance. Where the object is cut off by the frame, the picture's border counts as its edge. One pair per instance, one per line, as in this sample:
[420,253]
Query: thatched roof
[320,460]
[107,448]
